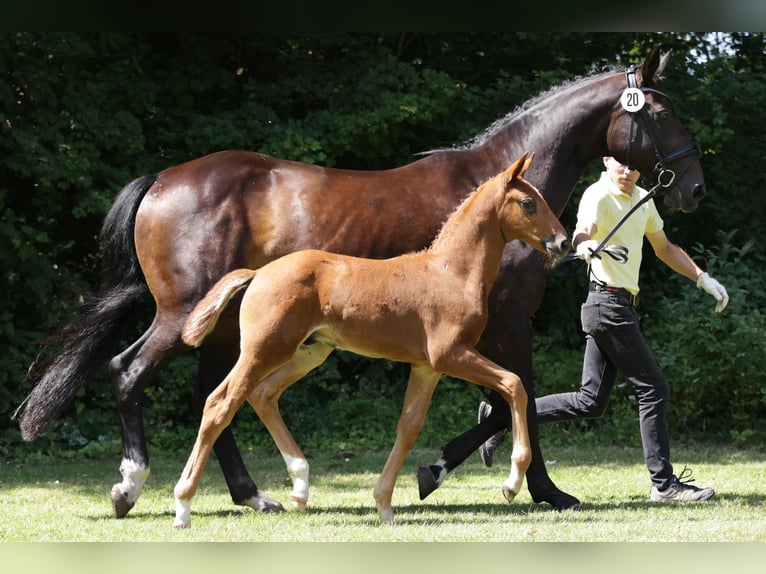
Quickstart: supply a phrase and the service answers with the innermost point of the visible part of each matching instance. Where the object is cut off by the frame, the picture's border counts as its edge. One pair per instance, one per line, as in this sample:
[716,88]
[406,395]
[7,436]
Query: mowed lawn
[68,501]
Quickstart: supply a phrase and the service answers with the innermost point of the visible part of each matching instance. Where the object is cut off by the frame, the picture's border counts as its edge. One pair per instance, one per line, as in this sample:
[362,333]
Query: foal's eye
[528,205]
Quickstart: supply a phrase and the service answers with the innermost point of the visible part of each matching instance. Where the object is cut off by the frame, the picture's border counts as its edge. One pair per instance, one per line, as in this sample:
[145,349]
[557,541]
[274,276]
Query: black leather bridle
[664,175]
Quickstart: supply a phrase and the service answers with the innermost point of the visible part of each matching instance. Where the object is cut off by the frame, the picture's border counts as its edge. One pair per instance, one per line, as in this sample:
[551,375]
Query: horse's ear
[654,65]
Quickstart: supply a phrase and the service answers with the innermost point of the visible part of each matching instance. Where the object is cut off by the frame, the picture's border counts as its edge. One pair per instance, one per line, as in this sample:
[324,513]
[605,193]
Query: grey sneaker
[680,490]
[487,449]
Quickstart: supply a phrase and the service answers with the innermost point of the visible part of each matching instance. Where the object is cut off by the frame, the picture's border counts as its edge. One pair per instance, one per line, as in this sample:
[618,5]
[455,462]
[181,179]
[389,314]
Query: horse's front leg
[420,389]
[265,401]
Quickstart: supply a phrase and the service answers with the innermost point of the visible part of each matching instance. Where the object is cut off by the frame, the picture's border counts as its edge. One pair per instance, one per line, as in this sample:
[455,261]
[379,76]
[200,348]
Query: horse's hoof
[509,493]
[181,525]
[558,499]
[120,503]
[263,504]
[426,481]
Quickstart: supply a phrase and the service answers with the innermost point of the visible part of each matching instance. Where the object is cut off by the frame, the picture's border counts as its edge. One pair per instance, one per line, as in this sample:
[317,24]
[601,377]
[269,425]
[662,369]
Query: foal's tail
[205,315]
[86,342]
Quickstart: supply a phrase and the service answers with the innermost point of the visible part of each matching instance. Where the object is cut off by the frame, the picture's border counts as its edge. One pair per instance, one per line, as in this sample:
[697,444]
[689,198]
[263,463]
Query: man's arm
[680,262]
[673,256]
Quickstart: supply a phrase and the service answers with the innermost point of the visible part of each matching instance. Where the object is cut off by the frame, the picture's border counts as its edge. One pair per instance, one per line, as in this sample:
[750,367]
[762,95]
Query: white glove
[585,250]
[714,288]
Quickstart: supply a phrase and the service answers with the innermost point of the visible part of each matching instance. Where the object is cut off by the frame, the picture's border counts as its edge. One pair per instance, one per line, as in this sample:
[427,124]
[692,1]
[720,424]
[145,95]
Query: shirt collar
[614,190]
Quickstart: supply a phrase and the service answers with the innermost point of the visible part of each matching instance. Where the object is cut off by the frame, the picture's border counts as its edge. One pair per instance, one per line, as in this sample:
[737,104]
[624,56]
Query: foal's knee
[514,390]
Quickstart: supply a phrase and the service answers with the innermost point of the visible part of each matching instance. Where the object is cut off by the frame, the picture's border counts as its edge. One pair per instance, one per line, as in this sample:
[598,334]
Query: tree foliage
[83,113]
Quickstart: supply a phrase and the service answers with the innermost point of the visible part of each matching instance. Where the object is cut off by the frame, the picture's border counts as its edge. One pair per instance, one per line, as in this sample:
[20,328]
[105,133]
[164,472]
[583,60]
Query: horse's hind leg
[420,389]
[131,371]
[265,401]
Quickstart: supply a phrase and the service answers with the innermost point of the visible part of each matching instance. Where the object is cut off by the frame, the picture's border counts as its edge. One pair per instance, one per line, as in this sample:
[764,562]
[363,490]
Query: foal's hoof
[299,504]
[509,493]
[386,515]
[426,481]
[120,503]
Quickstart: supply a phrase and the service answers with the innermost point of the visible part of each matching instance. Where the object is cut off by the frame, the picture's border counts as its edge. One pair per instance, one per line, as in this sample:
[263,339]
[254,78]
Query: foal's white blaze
[298,469]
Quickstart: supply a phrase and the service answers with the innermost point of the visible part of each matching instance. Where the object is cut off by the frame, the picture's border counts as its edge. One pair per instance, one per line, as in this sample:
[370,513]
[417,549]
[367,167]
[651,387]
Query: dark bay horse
[181,230]
[426,308]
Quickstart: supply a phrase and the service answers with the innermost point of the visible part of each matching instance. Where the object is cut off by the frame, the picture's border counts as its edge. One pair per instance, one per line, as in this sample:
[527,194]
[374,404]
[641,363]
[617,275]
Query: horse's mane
[501,123]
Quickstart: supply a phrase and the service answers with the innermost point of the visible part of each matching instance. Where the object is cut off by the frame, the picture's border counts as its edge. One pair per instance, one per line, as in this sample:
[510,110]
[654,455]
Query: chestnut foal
[427,309]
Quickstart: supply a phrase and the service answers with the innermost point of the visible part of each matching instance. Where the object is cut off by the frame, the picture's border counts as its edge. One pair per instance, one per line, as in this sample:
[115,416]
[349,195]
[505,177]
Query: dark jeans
[614,343]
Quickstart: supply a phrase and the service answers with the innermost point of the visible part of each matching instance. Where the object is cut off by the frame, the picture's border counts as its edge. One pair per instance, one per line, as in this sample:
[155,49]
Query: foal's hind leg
[217,357]
[264,399]
[420,388]
[220,408]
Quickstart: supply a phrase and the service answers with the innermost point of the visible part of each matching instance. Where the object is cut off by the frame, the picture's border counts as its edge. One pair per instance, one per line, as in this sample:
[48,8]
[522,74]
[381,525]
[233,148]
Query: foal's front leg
[470,365]
[420,388]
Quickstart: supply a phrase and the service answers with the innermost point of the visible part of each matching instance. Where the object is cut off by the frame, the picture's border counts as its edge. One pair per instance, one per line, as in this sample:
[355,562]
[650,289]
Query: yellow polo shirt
[603,204]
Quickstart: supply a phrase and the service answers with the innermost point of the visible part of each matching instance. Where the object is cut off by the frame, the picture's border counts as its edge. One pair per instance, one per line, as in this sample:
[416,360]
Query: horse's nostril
[699,191]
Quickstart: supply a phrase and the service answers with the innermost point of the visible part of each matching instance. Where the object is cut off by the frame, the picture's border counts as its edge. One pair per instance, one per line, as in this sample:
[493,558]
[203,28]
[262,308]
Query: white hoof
[299,504]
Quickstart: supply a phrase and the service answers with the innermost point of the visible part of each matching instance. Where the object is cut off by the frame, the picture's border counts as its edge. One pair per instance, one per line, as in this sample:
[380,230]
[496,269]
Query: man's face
[622,176]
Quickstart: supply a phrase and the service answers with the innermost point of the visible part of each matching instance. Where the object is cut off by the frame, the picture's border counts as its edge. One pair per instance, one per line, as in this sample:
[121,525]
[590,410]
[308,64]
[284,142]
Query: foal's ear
[520,166]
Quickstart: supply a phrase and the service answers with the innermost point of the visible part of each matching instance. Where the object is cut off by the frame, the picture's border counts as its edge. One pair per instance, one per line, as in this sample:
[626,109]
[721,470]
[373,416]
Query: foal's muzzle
[557,245]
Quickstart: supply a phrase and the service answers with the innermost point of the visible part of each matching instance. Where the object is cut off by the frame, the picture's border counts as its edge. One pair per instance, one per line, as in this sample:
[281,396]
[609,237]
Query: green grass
[68,501]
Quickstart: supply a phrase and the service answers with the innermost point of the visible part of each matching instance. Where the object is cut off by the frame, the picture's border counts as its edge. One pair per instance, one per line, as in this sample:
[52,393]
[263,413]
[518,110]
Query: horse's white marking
[442,464]
[134,476]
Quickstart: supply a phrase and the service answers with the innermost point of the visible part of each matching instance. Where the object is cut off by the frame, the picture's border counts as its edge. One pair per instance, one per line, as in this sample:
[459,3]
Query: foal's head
[524,214]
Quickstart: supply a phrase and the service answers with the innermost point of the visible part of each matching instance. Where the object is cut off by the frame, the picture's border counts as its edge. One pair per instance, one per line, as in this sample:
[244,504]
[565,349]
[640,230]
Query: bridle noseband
[665,176]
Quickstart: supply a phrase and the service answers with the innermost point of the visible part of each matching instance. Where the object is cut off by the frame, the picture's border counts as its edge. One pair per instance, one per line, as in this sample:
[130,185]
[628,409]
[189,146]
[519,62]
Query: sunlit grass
[69,501]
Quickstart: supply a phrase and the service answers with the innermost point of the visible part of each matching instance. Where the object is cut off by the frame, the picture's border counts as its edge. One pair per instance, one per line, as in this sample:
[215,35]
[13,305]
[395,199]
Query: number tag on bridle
[632,99]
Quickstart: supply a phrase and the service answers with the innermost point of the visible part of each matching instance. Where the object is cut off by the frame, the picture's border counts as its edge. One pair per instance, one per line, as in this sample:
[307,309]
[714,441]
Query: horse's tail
[205,315]
[86,342]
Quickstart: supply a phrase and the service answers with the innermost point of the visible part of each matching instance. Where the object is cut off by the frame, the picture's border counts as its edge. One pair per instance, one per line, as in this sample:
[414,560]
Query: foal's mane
[449,226]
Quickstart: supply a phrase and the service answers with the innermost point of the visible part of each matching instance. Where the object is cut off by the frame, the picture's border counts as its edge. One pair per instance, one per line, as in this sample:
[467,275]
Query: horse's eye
[528,205]
[663,114]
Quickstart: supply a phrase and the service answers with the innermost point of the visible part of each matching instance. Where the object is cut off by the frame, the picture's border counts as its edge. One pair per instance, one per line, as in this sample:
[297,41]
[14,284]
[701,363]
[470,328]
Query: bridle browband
[665,176]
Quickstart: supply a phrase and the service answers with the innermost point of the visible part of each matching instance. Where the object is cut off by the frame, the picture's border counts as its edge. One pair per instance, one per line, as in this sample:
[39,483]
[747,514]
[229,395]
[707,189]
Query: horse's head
[645,133]
[524,214]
